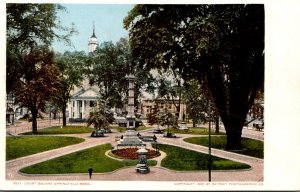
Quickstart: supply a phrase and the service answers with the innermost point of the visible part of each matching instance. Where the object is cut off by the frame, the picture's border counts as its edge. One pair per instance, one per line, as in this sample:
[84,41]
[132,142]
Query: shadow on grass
[181,159]
[251,147]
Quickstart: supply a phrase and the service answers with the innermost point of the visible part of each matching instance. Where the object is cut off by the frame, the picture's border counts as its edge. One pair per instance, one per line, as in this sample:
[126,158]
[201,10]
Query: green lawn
[69,129]
[119,129]
[123,129]
[193,130]
[80,161]
[251,147]
[141,128]
[181,159]
[27,145]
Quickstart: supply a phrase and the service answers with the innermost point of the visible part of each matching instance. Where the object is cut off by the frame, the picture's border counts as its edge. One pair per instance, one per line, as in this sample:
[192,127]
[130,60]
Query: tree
[168,119]
[222,46]
[153,117]
[110,68]
[70,66]
[39,82]
[196,101]
[29,25]
[110,64]
[171,89]
[101,117]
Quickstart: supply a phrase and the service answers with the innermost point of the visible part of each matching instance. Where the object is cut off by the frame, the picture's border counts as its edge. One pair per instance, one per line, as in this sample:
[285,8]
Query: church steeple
[93,42]
[93,31]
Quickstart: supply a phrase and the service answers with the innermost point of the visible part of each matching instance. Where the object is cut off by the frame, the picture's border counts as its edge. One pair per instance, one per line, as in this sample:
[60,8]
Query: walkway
[128,174]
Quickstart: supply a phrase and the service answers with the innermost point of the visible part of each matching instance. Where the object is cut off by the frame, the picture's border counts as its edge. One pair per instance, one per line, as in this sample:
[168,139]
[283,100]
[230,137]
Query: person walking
[90,170]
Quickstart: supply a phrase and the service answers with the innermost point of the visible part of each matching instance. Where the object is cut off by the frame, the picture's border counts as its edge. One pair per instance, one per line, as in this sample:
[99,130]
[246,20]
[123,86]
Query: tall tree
[153,116]
[29,25]
[39,82]
[171,89]
[70,65]
[110,64]
[220,45]
[196,101]
[110,68]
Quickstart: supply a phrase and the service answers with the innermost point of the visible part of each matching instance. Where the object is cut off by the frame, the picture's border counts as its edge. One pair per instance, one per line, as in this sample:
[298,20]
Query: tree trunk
[64,116]
[34,114]
[217,124]
[194,122]
[234,138]
[54,114]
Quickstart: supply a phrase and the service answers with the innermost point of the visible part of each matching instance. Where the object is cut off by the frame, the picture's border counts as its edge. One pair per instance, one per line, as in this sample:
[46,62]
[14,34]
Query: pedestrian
[90,172]
[154,138]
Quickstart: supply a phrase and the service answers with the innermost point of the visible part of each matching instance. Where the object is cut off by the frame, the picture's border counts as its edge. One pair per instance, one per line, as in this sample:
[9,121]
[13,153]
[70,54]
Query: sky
[108,19]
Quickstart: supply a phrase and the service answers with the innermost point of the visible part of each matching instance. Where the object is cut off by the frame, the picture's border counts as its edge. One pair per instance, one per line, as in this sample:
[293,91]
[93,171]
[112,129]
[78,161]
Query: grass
[251,147]
[141,128]
[80,161]
[181,159]
[123,129]
[119,129]
[64,130]
[27,145]
[193,130]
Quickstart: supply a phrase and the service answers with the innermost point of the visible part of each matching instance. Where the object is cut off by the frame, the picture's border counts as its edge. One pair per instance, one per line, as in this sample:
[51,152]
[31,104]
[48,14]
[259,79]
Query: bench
[97,134]
[158,131]
[148,138]
[170,135]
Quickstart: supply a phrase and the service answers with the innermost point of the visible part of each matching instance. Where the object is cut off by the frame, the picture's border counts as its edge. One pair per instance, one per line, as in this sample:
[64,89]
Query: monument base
[142,168]
[183,126]
[130,139]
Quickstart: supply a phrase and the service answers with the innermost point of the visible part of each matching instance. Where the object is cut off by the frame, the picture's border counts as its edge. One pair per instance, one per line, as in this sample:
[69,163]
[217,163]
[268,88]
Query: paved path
[157,173]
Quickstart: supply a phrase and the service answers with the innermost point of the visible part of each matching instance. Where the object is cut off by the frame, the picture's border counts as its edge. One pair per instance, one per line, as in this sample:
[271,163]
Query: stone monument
[130,137]
[183,125]
[142,166]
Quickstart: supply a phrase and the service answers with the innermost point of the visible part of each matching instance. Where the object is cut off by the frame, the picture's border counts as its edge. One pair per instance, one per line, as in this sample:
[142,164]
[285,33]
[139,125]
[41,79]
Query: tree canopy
[110,64]
[39,82]
[29,25]
[70,65]
[222,46]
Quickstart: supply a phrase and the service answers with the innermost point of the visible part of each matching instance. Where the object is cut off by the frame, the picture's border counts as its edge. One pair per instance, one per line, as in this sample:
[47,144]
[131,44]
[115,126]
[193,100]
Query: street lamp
[209,144]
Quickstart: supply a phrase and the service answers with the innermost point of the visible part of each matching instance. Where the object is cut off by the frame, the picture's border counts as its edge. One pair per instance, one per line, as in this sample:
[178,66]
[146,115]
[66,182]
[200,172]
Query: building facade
[149,104]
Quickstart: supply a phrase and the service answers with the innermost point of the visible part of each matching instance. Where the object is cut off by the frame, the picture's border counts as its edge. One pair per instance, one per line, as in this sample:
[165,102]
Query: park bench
[170,135]
[148,138]
[158,131]
[97,133]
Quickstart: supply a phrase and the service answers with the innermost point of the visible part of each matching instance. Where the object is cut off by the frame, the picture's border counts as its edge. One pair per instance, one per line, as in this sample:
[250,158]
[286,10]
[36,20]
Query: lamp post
[209,144]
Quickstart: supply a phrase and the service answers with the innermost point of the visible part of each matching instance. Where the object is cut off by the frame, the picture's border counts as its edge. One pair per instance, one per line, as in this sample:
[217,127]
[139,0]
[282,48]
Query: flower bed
[130,153]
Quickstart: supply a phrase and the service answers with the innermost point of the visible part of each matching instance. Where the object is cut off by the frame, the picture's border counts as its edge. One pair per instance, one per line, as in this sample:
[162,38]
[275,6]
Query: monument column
[130,106]
[130,137]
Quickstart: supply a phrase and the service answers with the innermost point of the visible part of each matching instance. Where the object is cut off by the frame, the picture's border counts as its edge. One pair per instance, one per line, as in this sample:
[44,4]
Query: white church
[84,97]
